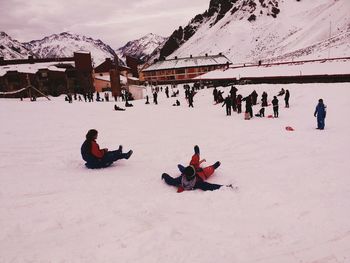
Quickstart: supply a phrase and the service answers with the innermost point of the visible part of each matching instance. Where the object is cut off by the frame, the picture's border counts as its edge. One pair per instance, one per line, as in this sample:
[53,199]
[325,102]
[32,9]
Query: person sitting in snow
[177,103]
[193,176]
[261,113]
[100,158]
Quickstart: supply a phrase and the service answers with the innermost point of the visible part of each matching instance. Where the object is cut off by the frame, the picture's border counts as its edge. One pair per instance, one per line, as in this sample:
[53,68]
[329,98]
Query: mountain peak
[141,48]
[64,44]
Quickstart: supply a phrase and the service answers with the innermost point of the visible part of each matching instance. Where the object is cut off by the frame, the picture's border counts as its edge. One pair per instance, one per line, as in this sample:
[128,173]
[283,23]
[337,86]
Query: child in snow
[193,176]
[100,158]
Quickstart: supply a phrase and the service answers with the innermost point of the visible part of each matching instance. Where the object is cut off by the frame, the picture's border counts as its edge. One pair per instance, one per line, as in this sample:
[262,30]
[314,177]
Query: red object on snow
[270,116]
[288,128]
[180,189]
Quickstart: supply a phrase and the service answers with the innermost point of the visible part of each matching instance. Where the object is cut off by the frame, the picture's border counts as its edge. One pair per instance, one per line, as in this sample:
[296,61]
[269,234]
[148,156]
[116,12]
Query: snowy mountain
[141,48]
[65,44]
[259,29]
[11,48]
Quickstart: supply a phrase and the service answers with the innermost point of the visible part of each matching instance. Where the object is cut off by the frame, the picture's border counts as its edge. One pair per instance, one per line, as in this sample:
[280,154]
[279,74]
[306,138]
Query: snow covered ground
[294,187]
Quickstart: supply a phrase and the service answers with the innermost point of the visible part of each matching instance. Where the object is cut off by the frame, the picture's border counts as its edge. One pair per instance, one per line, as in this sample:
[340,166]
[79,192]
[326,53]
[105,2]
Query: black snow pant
[200,184]
[228,110]
[113,156]
[239,108]
[287,103]
[275,111]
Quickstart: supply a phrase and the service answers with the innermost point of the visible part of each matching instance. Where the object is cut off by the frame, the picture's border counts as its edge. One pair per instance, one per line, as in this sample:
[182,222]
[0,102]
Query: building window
[180,71]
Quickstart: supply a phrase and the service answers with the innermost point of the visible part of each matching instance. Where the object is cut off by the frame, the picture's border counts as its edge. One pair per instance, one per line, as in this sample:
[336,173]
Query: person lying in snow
[97,158]
[193,176]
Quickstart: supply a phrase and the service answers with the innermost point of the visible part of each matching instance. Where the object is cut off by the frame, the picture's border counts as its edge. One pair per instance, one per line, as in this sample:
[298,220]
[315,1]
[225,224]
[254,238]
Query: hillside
[247,31]
[11,48]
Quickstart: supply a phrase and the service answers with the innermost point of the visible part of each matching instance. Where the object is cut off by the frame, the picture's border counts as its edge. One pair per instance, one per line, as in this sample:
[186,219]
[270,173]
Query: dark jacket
[320,111]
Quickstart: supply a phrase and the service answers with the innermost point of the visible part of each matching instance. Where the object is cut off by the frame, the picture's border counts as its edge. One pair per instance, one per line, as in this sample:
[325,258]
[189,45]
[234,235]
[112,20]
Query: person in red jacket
[193,176]
[100,158]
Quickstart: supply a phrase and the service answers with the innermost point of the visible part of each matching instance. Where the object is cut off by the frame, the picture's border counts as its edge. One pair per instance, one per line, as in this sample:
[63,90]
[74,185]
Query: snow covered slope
[141,48]
[65,44]
[11,48]
[292,204]
[255,30]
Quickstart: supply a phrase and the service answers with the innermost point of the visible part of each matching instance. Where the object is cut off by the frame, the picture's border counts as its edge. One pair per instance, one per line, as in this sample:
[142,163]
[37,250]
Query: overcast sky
[113,21]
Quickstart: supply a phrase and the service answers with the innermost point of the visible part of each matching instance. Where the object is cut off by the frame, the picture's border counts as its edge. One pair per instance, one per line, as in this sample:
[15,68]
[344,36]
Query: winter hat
[189,172]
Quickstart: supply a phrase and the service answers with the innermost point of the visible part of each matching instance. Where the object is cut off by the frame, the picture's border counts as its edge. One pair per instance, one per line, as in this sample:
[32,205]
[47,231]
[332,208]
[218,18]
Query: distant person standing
[275,106]
[254,96]
[286,98]
[320,113]
[248,105]
[228,102]
[155,98]
[215,94]
[190,98]
[239,103]
[264,99]
[233,93]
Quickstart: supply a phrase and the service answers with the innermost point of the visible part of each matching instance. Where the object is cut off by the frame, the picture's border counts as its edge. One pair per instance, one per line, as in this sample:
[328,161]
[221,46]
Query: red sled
[270,116]
[288,128]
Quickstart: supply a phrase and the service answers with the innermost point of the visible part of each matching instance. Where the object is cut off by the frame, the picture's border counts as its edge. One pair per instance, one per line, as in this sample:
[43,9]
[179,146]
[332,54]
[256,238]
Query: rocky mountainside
[65,44]
[11,48]
[251,30]
[141,48]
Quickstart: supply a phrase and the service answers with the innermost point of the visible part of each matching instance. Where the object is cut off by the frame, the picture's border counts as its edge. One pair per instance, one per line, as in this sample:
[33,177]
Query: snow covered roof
[33,68]
[339,67]
[189,62]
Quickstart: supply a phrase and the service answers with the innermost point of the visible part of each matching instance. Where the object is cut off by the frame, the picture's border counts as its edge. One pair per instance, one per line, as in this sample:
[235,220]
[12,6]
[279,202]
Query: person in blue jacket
[320,113]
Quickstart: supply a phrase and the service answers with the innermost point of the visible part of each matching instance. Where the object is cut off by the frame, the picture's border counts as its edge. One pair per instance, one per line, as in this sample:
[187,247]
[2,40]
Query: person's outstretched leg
[195,158]
[208,171]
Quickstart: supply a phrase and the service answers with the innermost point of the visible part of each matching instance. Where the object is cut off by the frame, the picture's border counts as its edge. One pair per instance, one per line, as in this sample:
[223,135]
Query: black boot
[128,154]
[196,149]
[216,165]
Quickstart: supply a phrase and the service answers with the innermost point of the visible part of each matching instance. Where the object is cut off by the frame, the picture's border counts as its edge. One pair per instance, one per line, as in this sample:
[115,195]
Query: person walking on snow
[193,176]
[100,158]
[320,113]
